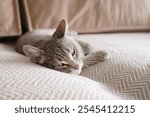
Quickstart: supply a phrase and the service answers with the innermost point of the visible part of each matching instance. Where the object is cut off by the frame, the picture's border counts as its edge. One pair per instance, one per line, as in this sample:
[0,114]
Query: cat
[60,50]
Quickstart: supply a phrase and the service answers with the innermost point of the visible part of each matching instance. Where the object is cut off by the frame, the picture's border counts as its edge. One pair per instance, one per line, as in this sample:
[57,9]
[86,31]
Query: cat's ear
[61,29]
[36,55]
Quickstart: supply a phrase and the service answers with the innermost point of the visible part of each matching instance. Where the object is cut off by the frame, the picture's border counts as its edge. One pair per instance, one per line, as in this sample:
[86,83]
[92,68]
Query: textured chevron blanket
[124,75]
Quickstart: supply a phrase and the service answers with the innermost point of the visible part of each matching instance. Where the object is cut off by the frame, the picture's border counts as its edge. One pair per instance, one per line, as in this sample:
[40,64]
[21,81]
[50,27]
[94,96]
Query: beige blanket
[124,75]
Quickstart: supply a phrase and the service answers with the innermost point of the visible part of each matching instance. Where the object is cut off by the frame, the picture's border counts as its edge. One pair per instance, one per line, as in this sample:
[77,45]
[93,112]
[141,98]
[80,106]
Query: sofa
[119,27]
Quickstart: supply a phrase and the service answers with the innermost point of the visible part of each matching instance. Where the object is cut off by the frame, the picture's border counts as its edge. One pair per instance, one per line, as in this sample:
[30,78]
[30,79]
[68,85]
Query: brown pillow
[90,16]
[9,18]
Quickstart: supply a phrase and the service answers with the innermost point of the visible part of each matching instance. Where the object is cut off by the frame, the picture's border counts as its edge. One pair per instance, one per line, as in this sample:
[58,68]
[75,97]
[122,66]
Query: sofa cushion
[86,16]
[9,18]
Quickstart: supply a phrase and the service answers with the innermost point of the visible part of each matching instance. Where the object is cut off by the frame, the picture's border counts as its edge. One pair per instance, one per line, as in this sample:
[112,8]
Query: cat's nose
[75,66]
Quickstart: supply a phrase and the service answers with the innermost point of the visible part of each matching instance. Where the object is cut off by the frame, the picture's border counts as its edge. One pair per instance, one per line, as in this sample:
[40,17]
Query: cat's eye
[73,52]
[63,64]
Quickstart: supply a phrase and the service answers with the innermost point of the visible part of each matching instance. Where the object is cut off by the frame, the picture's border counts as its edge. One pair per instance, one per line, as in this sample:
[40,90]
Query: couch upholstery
[86,16]
[10,24]
[83,16]
[124,75]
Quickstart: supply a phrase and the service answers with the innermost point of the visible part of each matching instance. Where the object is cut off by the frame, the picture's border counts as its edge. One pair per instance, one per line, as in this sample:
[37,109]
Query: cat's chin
[75,72]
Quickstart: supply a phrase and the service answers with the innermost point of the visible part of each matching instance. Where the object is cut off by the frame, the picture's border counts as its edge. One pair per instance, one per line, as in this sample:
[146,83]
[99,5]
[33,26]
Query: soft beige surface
[10,24]
[86,16]
[127,69]
[124,75]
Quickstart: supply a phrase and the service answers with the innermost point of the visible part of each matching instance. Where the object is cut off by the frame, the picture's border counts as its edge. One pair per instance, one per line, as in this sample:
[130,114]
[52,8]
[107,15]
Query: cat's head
[61,52]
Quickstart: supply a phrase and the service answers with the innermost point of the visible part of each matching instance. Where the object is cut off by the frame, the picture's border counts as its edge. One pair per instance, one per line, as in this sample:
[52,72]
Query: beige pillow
[10,24]
[90,16]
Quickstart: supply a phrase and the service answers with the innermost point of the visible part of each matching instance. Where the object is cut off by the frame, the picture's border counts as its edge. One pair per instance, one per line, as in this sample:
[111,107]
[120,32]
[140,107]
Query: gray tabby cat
[59,51]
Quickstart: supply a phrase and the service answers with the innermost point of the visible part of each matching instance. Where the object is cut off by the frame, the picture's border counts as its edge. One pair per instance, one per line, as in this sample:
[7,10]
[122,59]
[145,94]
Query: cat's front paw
[101,55]
[94,58]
